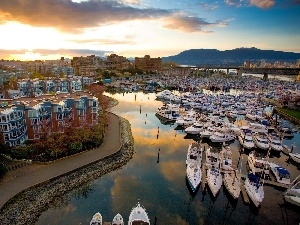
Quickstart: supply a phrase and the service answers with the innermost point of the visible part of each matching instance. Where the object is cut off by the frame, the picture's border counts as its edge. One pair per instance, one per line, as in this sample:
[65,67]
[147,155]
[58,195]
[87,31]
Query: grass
[291,112]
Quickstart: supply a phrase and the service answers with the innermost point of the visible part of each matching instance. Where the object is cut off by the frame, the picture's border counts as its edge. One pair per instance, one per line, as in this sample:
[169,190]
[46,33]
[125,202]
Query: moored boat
[232,183]
[97,219]
[295,157]
[292,195]
[281,174]
[117,220]
[194,175]
[214,180]
[138,216]
[254,189]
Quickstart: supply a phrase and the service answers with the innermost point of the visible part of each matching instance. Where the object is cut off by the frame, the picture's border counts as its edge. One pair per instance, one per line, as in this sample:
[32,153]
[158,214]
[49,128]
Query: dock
[244,194]
[203,182]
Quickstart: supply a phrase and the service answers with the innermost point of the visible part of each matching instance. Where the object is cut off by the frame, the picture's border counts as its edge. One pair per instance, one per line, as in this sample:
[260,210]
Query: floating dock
[203,182]
[244,194]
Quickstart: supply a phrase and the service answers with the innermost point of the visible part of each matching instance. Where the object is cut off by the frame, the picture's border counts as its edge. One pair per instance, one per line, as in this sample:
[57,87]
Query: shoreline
[28,205]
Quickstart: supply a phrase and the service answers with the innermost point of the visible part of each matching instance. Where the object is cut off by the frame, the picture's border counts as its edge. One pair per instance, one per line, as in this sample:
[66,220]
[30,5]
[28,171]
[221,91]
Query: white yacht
[194,175]
[295,157]
[117,220]
[206,133]
[232,182]
[212,159]
[258,165]
[138,215]
[169,112]
[226,158]
[261,141]
[214,180]
[254,189]
[246,140]
[194,153]
[194,129]
[282,175]
[292,195]
[275,142]
[221,136]
[97,219]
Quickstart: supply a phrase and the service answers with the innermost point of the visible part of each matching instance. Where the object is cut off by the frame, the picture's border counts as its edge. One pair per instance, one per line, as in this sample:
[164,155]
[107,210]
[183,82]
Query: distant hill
[233,57]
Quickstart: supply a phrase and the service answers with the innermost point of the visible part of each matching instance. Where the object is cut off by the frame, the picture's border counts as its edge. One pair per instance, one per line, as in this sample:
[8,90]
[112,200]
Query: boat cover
[282,170]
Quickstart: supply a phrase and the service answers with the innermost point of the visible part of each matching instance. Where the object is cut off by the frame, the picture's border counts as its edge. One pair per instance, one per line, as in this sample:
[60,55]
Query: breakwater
[27,206]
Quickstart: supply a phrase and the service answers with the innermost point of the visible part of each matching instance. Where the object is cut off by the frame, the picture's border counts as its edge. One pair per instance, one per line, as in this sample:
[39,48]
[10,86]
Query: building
[31,119]
[147,63]
[115,61]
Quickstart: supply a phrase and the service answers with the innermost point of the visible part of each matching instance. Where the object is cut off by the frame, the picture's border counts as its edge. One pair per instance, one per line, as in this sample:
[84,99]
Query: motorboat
[117,220]
[212,159]
[194,153]
[169,112]
[232,182]
[206,133]
[281,174]
[221,136]
[214,180]
[295,157]
[194,175]
[275,142]
[292,195]
[226,158]
[258,164]
[261,141]
[194,129]
[286,132]
[254,189]
[138,216]
[97,219]
[246,139]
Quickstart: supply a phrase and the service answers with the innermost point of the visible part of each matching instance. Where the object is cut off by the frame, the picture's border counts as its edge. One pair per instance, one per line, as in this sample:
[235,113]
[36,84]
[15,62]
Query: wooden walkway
[204,169]
[244,194]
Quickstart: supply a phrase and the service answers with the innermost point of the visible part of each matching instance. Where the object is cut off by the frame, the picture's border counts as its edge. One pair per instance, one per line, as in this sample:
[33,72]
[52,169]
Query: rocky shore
[26,207]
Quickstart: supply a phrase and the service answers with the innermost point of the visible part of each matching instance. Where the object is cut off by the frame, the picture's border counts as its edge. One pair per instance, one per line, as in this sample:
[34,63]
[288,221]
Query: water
[161,186]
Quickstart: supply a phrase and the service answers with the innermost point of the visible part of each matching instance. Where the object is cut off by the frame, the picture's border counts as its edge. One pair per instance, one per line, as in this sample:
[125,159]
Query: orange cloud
[72,17]
[265,4]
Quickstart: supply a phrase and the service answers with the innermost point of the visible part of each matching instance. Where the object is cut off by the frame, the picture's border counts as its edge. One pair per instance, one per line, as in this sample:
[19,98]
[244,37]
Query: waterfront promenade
[18,180]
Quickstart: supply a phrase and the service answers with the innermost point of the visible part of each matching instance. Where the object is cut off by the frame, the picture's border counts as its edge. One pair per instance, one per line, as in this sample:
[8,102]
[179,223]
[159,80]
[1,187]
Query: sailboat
[254,189]
[194,175]
[97,219]
[292,195]
[232,181]
[214,180]
[118,220]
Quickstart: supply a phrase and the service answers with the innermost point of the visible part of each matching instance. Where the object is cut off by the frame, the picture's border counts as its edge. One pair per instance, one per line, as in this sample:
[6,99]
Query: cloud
[44,52]
[265,4]
[234,2]
[208,7]
[72,17]
[103,41]
[187,23]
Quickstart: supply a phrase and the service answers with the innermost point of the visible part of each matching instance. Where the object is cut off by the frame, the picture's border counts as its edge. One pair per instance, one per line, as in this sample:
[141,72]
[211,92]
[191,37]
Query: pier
[203,182]
[244,194]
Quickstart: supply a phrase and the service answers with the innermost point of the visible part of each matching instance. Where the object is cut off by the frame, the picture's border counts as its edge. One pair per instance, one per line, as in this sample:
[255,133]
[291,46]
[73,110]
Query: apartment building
[147,63]
[31,119]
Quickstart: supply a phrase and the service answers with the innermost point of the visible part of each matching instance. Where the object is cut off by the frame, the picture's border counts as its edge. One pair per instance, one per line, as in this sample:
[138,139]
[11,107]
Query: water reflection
[161,186]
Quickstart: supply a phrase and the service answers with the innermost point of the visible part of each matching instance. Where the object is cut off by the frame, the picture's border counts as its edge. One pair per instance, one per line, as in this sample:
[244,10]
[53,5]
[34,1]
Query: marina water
[156,177]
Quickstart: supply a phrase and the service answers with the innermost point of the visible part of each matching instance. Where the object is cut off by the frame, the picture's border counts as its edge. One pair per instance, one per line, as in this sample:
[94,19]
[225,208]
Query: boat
[226,158]
[214,180]
[194,129]
[286,132]
[246,139]
[117,220]
[194,153]
[292,195]
[212,159]
[275,142]
[258,164]
[261,141]
[254,189]
[295,157]
[232,183]
[221,136]
[206,133]
[194,175]
[281,174]
[169,112]
[97,219]
[138,216]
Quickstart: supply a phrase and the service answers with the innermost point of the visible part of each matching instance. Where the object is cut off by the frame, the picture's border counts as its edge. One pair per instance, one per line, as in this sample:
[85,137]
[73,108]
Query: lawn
[292,112]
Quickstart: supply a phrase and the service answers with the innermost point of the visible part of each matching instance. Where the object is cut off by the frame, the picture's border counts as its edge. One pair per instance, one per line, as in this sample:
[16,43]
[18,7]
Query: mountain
[233,57]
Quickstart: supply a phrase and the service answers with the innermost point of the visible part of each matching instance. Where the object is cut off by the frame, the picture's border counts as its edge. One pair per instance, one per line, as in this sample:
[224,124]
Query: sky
[50,29]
